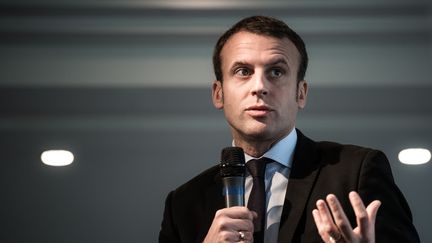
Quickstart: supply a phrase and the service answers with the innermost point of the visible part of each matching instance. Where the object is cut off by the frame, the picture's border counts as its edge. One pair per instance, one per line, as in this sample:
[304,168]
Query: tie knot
[257,167]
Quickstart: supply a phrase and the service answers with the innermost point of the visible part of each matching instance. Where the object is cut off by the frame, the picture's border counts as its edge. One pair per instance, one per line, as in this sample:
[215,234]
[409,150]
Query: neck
[256,147]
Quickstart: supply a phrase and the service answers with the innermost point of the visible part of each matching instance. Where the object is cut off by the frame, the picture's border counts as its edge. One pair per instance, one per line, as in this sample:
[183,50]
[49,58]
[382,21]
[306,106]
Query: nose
[259,85]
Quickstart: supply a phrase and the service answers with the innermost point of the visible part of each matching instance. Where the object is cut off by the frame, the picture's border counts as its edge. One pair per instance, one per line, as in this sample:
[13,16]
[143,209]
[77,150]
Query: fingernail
[331,198]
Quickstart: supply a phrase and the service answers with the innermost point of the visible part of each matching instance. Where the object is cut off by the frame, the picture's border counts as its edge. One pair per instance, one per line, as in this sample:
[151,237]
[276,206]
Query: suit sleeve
[394,219]
[168,232]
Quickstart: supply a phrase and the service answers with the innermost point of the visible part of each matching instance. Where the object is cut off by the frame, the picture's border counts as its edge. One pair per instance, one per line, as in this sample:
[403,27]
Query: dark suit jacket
[319,168]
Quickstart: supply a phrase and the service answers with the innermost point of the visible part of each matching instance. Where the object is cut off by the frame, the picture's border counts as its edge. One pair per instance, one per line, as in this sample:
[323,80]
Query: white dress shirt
[276,181]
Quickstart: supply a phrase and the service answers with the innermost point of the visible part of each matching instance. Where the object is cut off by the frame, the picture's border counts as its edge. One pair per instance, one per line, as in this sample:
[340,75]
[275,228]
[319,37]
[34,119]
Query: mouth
[258,110]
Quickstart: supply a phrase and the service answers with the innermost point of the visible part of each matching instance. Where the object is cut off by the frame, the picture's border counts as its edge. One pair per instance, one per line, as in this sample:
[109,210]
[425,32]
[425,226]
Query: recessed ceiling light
[57,157]
[414,156]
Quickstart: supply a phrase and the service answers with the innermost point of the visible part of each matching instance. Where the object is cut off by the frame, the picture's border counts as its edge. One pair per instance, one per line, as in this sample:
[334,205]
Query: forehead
[258,49]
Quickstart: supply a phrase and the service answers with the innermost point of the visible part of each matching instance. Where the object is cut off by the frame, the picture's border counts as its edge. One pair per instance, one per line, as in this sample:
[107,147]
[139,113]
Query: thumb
[254,214]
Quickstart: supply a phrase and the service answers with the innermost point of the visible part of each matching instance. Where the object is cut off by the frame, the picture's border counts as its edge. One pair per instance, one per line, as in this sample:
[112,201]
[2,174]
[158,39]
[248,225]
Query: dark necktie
[257,198]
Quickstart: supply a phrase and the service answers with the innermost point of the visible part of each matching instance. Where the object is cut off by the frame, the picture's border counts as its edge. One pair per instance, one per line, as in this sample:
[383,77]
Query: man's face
[259,93]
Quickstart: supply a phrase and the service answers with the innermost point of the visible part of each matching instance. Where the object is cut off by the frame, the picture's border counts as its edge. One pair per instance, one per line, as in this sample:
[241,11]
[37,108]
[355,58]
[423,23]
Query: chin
[254,130]
[258,134]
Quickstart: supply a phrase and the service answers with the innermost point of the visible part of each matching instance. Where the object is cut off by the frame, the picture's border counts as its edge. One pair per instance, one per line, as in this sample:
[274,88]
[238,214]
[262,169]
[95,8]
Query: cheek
[231,96]
[289,103]
[230,104]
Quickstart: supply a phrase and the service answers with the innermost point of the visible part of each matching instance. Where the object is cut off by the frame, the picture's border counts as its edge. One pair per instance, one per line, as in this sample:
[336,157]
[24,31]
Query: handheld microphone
[232,171]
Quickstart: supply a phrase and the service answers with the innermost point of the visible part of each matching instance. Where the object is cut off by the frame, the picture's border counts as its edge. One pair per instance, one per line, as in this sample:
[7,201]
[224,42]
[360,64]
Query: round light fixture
[414,156]
[57,157]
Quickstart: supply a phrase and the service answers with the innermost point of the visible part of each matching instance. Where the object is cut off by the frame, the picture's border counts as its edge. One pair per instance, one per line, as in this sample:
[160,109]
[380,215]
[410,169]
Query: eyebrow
[240,63]
[278,61]
[275,62]
[237,64]
[245,63]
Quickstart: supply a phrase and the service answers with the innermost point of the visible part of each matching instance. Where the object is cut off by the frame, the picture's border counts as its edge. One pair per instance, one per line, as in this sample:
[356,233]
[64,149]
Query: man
[314,191]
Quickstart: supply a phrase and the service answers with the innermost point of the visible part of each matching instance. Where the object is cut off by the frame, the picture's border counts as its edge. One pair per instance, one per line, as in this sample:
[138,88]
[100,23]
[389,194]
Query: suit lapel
[302,177]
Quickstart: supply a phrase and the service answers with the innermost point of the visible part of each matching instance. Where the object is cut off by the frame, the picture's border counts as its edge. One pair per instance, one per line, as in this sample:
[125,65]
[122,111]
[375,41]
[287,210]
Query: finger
[240,225]
[328,228]
[228,222]
[235,213]
[316,217]
[324,212]
[248,236]
[319,224]
[339,217]
[372,210]
[231,236]
[360,212]
[230,228]
[254,214]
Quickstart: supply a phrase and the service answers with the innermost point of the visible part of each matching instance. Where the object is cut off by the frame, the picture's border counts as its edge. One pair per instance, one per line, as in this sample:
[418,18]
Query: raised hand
[333,225]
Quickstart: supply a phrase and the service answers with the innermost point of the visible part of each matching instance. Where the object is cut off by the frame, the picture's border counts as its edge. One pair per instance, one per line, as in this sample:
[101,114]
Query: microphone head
[232,162]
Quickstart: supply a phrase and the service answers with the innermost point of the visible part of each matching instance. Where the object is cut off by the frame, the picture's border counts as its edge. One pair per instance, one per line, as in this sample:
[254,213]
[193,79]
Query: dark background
[125,86]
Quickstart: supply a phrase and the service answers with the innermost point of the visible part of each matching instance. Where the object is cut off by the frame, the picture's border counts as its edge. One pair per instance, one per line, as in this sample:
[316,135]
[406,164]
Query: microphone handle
[233,190]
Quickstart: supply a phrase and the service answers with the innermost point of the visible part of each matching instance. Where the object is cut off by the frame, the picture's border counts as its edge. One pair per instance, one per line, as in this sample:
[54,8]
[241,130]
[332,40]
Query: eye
[276,72]
[243,72]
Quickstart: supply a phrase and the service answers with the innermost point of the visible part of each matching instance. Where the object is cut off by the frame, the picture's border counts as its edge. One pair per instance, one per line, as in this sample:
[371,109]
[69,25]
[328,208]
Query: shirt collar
[282,152]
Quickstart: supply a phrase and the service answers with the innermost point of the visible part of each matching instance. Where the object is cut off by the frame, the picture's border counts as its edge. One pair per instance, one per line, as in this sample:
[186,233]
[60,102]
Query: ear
[217,94]
[302,92]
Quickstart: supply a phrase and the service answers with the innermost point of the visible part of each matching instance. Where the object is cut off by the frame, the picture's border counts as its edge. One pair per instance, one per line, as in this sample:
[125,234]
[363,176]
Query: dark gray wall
[126,87]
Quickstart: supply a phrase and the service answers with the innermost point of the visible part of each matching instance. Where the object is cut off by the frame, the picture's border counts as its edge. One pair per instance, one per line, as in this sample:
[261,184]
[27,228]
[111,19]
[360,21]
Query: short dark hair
[261,25]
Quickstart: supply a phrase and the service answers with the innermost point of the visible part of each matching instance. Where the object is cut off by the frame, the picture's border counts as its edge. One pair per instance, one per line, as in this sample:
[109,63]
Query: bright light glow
[414,156]
[57,157]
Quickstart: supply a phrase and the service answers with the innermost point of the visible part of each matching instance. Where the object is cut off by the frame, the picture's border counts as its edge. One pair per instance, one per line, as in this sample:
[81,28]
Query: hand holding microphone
[235,222]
